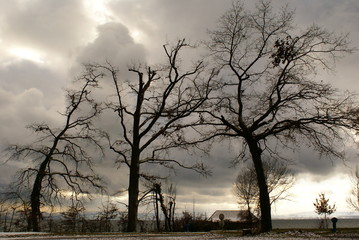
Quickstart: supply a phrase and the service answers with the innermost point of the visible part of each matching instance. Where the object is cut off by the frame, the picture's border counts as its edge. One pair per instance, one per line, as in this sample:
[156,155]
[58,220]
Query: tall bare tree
[152,112]
[59,158]
[268,97]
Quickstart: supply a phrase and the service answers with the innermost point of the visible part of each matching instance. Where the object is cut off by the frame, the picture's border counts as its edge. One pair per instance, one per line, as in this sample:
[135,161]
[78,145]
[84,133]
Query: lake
[313,223]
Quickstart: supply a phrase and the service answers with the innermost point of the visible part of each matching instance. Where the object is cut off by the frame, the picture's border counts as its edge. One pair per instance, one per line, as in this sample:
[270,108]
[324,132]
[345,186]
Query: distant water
[313,223]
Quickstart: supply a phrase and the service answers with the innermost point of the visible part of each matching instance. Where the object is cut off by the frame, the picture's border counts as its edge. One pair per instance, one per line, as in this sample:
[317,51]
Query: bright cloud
[98,11]
[27,54]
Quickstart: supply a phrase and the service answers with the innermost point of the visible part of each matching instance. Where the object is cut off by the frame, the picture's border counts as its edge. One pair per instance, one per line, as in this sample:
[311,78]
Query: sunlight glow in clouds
[137,35]
[27,54]
[98,11]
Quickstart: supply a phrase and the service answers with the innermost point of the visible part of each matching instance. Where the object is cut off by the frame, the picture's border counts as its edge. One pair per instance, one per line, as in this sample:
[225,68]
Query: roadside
[228,235]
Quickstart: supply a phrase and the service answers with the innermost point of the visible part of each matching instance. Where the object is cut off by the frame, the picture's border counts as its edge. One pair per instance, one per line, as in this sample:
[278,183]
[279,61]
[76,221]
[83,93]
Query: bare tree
[279,179]
[59,158]
[171,202]
[151,196]
[73,214]
[322,207]
[153,111]
[3,214]
[246,190]
[268,98]
[109,211]
[167,202]
[19,202]
[353,198]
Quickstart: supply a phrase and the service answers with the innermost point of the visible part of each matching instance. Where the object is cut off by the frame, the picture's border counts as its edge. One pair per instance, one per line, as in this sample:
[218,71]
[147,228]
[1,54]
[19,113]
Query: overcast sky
[43,43]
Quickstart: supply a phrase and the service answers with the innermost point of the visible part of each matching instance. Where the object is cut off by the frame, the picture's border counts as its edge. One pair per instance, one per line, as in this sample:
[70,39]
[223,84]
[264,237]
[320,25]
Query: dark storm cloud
[161,21]
[66,36]
[312,162]
[218,184]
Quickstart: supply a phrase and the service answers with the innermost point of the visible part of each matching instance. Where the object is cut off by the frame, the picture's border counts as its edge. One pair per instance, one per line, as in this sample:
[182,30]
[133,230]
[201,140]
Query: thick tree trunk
[264,200]
[133,187]
[35,197]
[133,191]
[35,204]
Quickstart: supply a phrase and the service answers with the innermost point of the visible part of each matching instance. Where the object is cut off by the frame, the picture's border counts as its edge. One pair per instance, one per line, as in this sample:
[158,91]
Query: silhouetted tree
[21,203]
[60,153]
[186,220]
[108,212]
[322,206]
[279,179]
[246,190]
[167,203]
[267,97]
[74,214]
[153,111]
[151,196]
[171,202]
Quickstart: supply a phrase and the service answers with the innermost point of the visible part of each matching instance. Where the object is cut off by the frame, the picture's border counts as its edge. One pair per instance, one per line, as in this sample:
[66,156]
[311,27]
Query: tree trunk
[157,212]
[11,219]
[133,191]
[173,215]
[35,204]
[133,187]
[35,197]
[170,227]
[250,219]
[264,200]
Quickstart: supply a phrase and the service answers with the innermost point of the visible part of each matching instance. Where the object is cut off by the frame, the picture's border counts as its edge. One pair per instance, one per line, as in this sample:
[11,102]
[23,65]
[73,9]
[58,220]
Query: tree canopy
[268,96]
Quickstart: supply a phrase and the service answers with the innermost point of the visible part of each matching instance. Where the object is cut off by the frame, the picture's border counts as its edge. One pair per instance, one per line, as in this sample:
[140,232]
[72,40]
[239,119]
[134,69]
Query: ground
[288,235]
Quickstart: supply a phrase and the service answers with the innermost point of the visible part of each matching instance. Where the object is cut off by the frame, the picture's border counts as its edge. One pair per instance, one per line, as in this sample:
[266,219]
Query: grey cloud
[222,178]
[115,45]
[31,92]
[162,21]
[28,93]
[47,25]
[176,18]
[312,163]
[19,76]
[340,17]
[20,110]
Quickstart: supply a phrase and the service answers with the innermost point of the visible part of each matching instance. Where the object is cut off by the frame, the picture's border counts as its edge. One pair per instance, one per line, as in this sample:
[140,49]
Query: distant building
[233,216]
